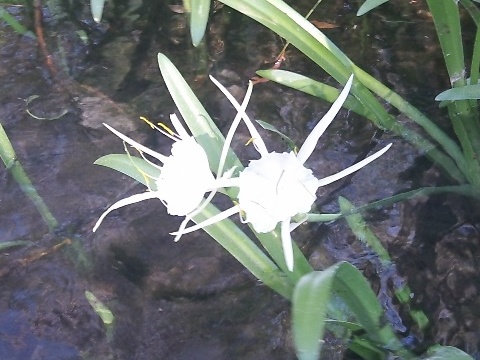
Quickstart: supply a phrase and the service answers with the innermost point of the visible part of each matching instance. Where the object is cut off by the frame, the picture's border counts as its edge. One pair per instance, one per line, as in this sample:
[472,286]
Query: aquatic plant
[312,292]
[316,295]
[278,187]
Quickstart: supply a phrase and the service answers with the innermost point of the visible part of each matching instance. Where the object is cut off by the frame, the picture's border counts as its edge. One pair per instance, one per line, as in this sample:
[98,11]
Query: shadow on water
[192,300]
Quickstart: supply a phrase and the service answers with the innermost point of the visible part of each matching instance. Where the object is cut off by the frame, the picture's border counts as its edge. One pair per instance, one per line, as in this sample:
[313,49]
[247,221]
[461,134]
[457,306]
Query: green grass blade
[200,10]
[267,126]
[355,290]
[310,299]
[465,190]
[475,67]
[446,17]
[463,113]
[474,13]
[362,231]
[100,308]
[272,243]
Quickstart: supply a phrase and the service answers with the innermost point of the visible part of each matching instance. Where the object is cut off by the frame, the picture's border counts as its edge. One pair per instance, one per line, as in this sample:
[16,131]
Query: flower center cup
[185,177]
[275,188]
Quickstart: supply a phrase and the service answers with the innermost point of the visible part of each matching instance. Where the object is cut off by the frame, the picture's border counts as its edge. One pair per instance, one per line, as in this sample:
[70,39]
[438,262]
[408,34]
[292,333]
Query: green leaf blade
[315,88]
[310,301]
[100,308]
[369,5]
[200,123]
[198,20]
[438,352]
[137,168]
[468,92]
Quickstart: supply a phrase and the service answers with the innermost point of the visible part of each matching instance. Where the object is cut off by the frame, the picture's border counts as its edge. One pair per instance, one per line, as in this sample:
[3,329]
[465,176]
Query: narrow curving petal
[177,125]
[332,178]
[256,138]
[191,215]
[218,184]
[124,202]
[233,127]
[136,145]
[312,139]
[210,221]
[287,244]
[222,182]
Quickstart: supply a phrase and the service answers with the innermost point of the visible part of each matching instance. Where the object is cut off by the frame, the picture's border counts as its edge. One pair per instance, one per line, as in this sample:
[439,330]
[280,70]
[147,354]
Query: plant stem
[448,144]
[463,113]
[7,153]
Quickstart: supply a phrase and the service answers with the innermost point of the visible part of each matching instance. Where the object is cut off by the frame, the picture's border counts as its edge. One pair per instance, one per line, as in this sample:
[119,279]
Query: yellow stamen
[166,128]
[147,121]
[250,141]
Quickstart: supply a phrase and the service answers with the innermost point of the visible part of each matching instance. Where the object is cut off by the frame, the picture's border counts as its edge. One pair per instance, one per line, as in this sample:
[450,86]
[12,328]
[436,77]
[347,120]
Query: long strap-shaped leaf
[463,113]
[7,154]
[310,300]
[286,22]
[200,9]
[368,237]
[369,5]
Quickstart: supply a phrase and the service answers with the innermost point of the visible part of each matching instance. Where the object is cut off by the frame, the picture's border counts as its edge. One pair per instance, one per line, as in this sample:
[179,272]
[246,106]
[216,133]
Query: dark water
[191,299]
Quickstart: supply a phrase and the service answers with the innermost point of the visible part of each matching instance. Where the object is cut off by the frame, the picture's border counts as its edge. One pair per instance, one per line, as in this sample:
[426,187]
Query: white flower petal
[136,144]
[287,244]
[256,138]
[210,221]
[312,139]
[123,202]
[233,127]
[329,179]
[182,133]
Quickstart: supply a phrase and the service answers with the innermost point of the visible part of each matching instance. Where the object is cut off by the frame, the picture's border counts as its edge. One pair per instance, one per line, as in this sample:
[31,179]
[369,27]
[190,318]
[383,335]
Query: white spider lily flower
[185,176]
[278,186]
